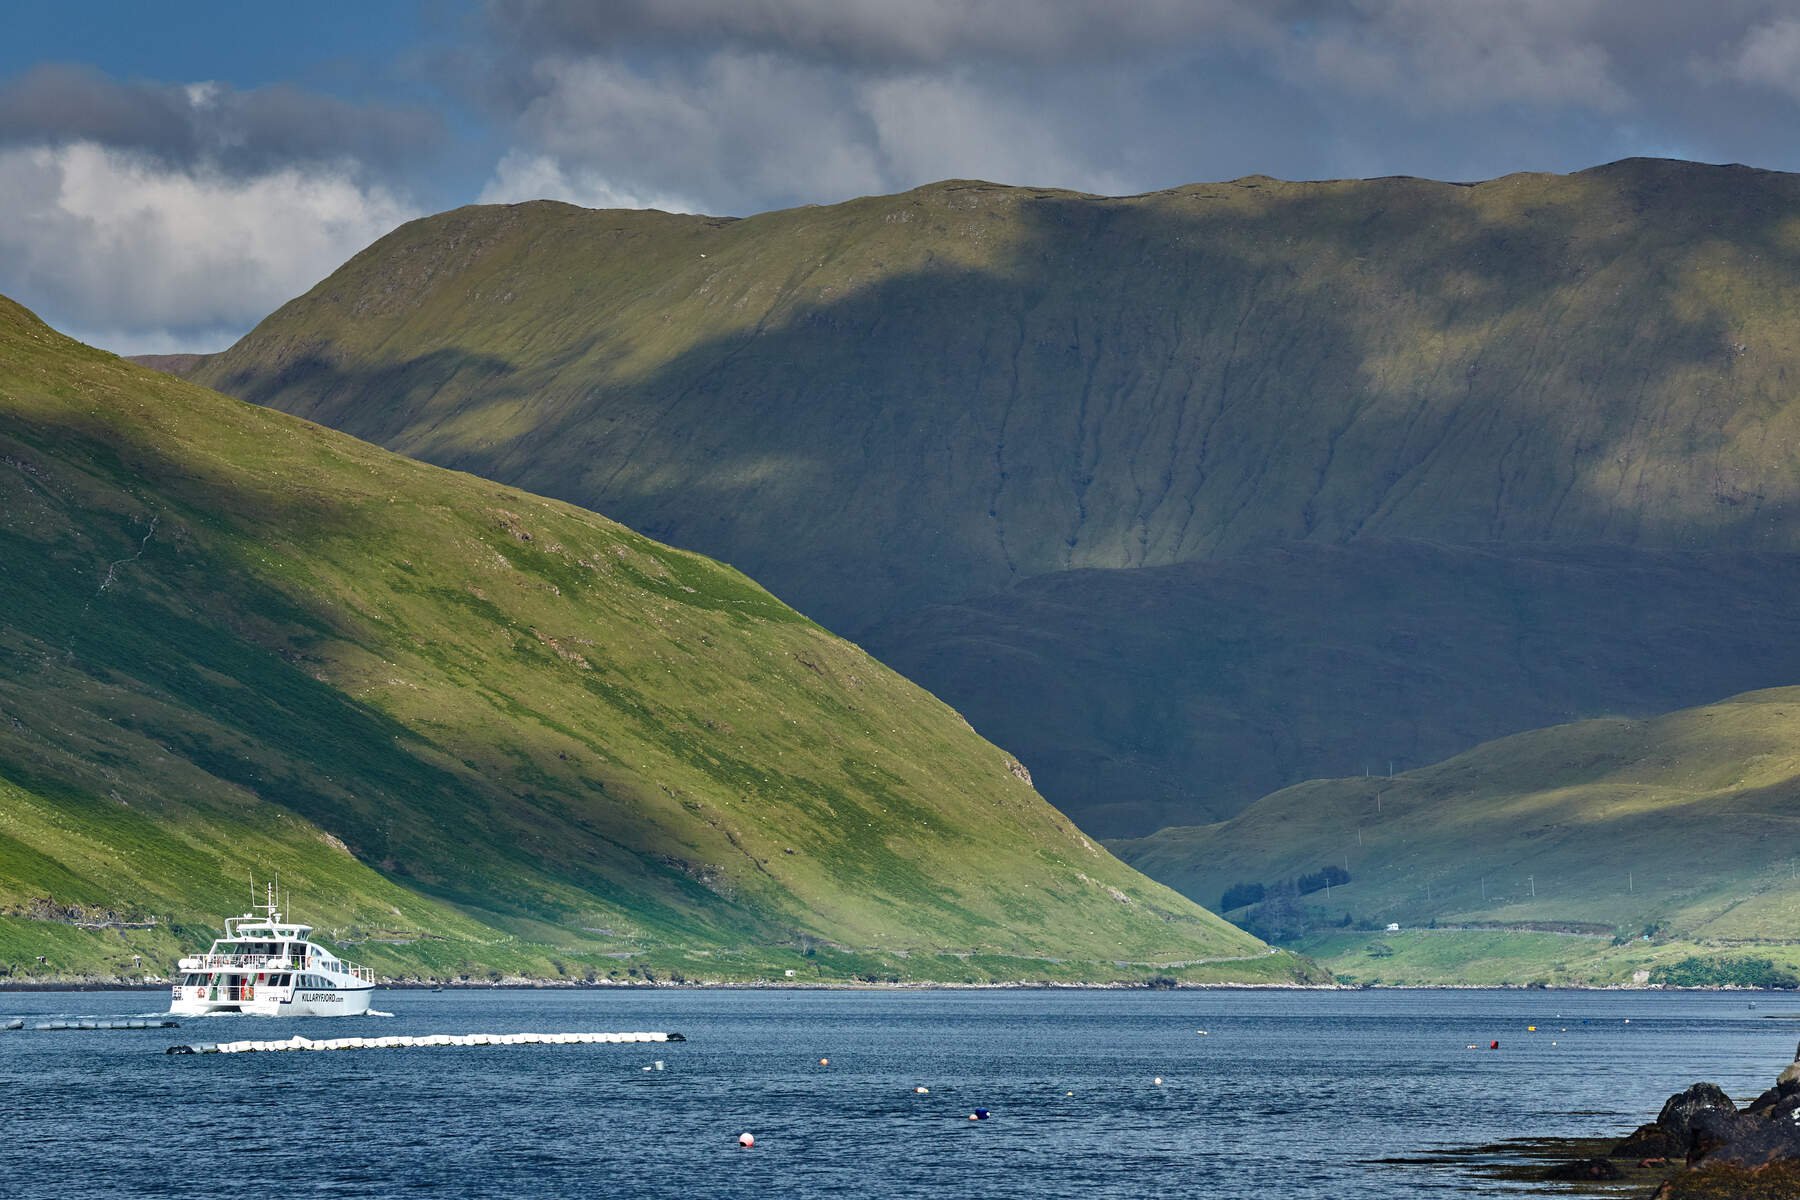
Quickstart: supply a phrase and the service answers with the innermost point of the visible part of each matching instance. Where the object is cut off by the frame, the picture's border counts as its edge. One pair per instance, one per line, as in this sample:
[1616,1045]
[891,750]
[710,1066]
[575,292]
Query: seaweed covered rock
[1649,1141]
[1753,1154]
[1777,1181]
[1584,1169]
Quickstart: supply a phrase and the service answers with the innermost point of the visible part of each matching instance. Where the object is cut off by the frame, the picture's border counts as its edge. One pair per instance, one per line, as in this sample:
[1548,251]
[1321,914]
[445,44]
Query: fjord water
[1290,1094]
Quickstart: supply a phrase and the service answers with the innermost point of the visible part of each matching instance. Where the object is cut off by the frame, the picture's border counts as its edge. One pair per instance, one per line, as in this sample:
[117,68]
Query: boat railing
[262,962]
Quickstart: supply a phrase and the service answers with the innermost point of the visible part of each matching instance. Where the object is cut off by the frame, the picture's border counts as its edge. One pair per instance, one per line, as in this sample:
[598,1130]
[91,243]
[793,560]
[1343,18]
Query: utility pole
[1532,880]
[1629,885]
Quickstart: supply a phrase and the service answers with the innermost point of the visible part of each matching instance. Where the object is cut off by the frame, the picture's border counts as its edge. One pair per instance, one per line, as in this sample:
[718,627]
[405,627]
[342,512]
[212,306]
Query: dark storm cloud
[182,125]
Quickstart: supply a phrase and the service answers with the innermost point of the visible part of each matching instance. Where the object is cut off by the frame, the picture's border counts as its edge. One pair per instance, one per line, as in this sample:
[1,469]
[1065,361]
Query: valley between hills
[478,734]
[964,425]
[1229,511]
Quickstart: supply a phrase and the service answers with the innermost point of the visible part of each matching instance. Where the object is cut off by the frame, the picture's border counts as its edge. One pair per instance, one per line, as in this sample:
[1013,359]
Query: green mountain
[475,731]
[1594,852]
[886,408]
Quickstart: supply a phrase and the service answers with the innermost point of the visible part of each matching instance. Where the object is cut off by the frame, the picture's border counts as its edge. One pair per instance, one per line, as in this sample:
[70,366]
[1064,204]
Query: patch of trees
[1725,972]
[1240,895]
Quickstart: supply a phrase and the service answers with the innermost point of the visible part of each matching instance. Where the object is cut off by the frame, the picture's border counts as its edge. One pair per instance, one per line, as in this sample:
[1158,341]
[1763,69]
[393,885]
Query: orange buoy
[824,1062]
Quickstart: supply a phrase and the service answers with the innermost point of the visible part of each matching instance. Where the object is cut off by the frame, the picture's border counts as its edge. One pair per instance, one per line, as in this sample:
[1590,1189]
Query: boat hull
[303,1002]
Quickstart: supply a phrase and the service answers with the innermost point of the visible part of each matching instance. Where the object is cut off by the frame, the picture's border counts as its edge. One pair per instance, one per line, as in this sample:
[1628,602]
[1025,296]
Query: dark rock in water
[1710,1130]
[1752,1142]
[1680,1112]
[1680,1109]
[1583,1169]
[1649,1141]
[1772,1097]
[1748,1155]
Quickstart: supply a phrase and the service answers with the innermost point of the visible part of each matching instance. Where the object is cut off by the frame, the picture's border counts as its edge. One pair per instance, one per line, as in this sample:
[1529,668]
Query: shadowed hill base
[913,399]
[475,730]
[1545,857]
[1141,698]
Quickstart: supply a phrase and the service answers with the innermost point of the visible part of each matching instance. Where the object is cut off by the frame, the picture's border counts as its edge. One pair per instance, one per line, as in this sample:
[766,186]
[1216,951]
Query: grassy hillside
[1548,856]
[914,399]
[475,730]
[1166,695]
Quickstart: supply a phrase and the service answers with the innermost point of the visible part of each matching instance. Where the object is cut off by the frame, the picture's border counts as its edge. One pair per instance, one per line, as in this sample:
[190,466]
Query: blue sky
[173,172]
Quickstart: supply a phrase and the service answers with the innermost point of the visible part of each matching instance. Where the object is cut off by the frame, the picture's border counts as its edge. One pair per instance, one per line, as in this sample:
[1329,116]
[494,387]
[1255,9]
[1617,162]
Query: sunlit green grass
[1681,827]
[907,400]
[472,730]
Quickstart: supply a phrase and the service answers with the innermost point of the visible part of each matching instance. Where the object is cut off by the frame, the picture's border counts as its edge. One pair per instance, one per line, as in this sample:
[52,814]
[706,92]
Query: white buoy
[1157,1081]
[746,1140]
[922,1091]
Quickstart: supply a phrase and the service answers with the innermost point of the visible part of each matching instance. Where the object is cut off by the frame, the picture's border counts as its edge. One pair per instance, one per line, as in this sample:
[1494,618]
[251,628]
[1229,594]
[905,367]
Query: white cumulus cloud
[139,256]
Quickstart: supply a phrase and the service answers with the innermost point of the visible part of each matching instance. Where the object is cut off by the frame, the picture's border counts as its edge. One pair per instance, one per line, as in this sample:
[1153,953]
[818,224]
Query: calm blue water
[1289,1095]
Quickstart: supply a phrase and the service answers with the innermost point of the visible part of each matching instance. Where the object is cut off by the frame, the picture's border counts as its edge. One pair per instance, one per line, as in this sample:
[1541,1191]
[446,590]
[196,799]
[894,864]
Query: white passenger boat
[265,966]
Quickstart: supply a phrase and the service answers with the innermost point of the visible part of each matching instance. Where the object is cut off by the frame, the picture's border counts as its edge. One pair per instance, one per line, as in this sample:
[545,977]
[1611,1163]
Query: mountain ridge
[911,401]
[478,730]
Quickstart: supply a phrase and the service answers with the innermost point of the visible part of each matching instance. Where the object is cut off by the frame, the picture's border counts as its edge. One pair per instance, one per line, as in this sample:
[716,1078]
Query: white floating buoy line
[433,1039]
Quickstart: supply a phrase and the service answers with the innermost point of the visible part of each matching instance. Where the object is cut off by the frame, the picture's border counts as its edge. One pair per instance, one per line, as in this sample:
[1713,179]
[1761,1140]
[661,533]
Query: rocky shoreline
[1701,1146]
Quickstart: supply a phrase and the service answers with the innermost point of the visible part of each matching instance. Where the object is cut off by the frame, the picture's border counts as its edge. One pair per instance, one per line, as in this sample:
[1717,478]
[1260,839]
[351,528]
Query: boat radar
[265,966]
